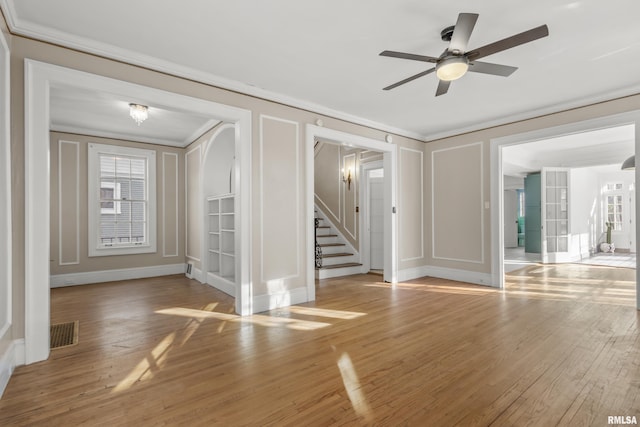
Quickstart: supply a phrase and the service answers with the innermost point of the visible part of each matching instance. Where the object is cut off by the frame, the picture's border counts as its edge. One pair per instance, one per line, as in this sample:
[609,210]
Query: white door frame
[497,185]
[390,156]
[365,213]
[40,77]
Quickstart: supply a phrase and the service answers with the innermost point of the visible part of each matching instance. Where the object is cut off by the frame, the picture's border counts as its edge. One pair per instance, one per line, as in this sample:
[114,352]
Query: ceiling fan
[455,61]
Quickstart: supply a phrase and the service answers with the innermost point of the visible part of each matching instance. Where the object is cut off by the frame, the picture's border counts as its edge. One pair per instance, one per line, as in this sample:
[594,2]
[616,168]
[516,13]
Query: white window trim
[94,209]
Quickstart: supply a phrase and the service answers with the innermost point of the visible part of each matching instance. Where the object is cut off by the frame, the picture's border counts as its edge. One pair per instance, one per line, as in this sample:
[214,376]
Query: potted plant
[608,246]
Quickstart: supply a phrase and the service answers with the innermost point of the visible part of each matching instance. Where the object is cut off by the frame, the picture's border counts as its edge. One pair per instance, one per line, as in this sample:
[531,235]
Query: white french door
[556,231]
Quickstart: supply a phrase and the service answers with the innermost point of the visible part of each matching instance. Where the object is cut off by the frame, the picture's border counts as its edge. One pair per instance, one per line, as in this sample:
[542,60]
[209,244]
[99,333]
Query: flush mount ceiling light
[138,113]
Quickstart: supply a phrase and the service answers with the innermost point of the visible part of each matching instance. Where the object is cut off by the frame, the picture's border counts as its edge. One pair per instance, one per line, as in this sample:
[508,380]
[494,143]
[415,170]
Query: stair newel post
[318,248]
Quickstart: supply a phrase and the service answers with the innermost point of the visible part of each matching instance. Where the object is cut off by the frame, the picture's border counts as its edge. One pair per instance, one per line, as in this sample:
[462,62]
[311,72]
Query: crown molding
[537,113]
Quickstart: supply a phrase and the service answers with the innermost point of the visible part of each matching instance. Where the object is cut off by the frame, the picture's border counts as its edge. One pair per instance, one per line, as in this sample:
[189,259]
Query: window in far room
[613,198]
[121,200]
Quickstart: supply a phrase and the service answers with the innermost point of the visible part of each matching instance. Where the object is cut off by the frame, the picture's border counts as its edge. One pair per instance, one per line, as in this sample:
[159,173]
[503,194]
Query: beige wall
[326,180]
[281,205]
[69,219]
[194,209]
[350,162]
[457,191]
[411,214]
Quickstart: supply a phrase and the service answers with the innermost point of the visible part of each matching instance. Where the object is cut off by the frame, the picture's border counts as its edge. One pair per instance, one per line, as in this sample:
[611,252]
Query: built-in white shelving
[221,247]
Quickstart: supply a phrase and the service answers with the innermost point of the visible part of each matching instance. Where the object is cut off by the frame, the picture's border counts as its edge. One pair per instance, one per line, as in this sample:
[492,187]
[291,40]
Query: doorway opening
[220,240]
[552,190]
[372,201]
[40,79]
[388,164]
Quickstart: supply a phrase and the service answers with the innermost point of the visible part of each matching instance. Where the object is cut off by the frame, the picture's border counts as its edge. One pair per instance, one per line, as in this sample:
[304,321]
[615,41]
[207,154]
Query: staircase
[338,257]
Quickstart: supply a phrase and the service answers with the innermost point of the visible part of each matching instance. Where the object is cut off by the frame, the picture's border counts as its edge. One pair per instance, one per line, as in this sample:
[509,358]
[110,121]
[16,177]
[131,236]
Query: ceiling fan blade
[462,31]
[408,79]
[410,56]
[489,68]
[443,87]
[508,43]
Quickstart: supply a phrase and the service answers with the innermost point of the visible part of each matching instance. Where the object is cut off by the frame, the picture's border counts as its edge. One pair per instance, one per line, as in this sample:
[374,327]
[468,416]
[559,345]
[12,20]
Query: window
[121,200]
[109,193]
[613,198]
[521,202]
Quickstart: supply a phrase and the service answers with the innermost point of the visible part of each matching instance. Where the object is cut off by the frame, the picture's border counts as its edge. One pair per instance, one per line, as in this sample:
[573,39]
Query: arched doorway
[220,264]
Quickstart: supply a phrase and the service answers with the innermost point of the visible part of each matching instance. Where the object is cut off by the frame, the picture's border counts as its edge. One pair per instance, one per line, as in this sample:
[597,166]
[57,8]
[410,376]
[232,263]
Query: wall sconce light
[347,179]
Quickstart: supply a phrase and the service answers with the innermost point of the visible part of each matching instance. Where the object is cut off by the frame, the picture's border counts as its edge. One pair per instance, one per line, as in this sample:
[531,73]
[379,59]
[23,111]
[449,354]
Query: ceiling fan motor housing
[447,33]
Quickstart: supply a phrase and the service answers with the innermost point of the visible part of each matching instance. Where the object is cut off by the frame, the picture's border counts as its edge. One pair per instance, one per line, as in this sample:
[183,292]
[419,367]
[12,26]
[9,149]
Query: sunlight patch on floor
[571,289]
[612,300]
[574,282]
[258,319]
[449,289]
[323,312]
[563,280]
[189,330]
[353,388]
[193,324]
[147,366]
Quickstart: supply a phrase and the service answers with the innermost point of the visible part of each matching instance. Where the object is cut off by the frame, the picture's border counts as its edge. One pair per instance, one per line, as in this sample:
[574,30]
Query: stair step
[326,245]
[327,235]
[336,255]
[348,264]
[323,226]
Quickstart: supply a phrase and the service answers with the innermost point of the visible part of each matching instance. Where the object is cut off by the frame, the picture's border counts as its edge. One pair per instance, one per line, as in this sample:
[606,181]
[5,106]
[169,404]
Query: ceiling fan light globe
[452,68]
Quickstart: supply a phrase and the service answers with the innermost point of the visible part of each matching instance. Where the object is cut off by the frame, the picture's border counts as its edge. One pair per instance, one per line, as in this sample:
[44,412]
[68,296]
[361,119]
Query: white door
[555,215]
[510,218]
[376,218]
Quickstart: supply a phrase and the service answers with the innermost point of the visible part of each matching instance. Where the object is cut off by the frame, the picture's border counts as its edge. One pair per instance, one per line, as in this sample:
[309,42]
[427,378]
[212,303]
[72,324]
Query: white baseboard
[221,284]
[483,279]
[196,274]
[281,299]
[73,279]
[12,357]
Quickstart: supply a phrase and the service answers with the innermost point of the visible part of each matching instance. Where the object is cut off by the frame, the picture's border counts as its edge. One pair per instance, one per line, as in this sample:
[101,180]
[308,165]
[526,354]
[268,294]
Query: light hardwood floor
[555,348]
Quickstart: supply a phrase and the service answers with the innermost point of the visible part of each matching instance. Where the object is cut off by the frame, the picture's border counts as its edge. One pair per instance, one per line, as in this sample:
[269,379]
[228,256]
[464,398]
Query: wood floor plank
[559,346]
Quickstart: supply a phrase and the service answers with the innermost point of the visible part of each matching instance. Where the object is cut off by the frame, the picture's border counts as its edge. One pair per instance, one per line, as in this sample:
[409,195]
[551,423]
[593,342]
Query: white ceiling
[609,146]
[323,55]
[104,114]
